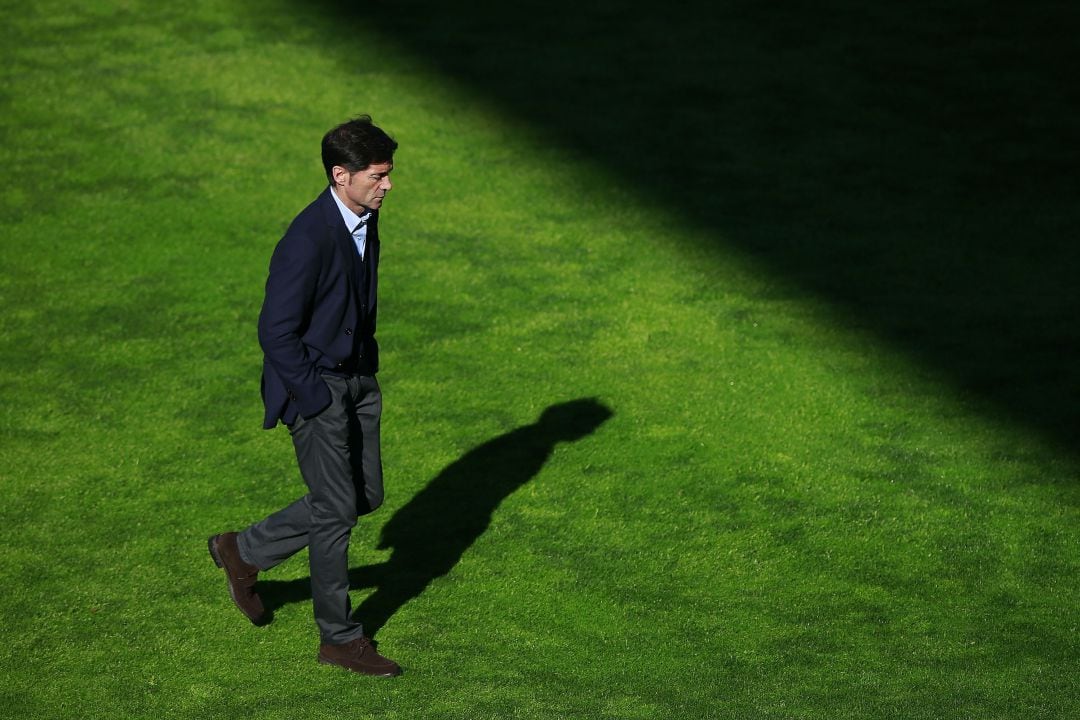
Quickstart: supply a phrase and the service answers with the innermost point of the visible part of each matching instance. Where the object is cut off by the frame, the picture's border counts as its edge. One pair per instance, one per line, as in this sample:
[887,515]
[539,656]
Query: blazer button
[348,331]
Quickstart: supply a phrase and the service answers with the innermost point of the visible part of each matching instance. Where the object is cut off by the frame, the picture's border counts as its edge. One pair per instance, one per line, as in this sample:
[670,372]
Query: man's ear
[340,175]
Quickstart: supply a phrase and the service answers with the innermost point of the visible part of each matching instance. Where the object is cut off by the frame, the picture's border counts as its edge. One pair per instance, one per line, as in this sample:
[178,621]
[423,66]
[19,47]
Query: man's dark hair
[356,144]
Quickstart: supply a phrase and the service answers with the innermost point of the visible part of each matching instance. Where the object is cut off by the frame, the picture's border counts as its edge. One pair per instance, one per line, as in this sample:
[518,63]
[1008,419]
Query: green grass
[803,505]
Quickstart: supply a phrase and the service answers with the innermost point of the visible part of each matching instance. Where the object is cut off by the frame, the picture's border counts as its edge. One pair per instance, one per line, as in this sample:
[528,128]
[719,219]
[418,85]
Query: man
[317,331]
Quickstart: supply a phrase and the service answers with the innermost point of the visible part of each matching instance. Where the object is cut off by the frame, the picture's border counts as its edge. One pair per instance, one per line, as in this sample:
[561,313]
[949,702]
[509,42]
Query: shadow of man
[432,531]
[429,534]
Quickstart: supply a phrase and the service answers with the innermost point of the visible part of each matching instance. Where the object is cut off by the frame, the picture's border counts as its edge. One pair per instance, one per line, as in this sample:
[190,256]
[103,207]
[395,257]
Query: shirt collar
[353,222]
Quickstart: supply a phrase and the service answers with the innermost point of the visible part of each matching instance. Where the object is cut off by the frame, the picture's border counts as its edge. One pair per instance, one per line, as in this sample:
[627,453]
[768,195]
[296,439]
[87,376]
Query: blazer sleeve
[286,313]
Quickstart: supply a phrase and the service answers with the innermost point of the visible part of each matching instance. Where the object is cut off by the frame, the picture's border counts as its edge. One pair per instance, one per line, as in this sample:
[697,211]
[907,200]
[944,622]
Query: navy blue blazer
[318,312]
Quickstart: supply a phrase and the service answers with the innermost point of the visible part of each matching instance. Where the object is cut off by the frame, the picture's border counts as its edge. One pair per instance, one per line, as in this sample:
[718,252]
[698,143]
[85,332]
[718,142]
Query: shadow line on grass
[429,534]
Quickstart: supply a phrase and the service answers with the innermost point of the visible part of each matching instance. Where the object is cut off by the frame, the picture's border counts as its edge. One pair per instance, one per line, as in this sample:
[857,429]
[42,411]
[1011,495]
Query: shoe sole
[213,551]
[324,661]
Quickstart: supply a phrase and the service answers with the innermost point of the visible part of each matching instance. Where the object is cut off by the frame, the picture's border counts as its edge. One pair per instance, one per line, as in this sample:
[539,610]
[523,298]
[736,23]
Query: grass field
[729,356]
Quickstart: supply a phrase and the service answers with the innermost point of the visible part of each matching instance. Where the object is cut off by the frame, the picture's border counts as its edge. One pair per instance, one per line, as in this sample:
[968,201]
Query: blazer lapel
[342,238]
[372,253]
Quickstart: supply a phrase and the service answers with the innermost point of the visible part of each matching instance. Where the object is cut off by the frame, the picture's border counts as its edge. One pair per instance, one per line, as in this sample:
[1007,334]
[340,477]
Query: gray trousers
[339,458]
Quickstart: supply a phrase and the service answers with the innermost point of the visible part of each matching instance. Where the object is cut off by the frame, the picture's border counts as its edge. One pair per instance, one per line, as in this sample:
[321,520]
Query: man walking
[317,331]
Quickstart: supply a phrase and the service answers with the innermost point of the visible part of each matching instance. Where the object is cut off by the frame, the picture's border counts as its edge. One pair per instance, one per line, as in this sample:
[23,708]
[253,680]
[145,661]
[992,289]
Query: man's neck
[358,210]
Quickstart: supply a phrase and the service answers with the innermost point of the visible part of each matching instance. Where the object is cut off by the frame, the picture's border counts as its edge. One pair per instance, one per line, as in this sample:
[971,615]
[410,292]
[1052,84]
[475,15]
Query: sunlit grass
[785,516]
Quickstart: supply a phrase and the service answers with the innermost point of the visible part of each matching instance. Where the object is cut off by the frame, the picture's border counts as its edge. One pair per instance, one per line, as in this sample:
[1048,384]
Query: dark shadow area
[914,164]
[429,534]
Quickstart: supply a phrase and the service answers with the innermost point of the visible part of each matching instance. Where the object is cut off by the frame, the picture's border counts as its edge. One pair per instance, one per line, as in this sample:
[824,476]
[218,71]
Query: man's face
[363,190]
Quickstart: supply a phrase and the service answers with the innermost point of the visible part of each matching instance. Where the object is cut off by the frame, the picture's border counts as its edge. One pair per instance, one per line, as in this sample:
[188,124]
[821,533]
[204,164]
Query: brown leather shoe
[359,656]
[241,576]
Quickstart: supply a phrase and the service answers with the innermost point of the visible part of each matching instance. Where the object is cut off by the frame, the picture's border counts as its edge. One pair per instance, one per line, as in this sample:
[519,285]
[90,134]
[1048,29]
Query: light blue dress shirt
[356,224]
